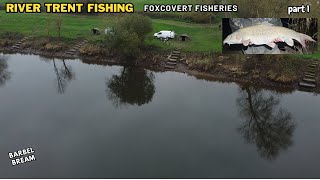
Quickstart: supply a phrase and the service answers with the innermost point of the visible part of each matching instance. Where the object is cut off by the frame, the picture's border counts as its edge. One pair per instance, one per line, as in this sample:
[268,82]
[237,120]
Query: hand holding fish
[278,40]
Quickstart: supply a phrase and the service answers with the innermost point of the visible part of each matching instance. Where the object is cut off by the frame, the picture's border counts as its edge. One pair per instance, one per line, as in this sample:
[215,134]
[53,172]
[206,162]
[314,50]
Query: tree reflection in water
[5,75]
[64,74]
[134,86]
[269,127]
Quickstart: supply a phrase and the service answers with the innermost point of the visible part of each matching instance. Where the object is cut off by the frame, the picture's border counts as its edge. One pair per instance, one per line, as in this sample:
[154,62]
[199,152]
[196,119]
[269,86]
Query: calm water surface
[93,121]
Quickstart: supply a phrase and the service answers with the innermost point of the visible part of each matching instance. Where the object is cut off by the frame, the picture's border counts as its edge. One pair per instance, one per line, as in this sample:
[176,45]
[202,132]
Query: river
[95,121]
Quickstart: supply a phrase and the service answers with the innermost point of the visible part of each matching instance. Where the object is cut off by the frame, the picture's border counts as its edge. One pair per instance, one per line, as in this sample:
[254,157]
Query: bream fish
[266,34]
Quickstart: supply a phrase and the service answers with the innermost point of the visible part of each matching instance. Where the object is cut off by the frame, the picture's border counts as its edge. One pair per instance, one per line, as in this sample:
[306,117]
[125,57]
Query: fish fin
[304,38]
[303,43]
[289,42]
[246,42]
[272,45]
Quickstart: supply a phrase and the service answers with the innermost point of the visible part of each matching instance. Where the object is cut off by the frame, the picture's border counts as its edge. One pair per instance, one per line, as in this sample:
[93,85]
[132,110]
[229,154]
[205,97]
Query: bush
[135,23]
[130,34]
[127,43]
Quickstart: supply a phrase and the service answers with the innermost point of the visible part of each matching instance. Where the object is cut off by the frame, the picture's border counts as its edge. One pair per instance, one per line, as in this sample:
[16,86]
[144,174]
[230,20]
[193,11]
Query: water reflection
[64,75]
[134,86]
[268,126]
[5,75]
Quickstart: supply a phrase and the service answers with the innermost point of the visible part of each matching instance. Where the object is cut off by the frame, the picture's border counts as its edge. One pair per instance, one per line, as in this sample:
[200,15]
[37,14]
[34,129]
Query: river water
[94,121]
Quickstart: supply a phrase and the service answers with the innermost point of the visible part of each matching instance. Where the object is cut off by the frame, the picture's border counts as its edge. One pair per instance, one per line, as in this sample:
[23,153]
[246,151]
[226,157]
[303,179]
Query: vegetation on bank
[59,32]
[205,37]
[127,38]
[264,68]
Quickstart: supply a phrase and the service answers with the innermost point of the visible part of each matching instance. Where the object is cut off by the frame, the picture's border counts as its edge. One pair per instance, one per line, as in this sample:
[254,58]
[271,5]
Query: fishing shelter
[184,37]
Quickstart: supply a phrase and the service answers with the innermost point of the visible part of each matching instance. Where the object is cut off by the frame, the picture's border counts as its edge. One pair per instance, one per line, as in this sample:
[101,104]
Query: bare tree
[48,24]
[59,23]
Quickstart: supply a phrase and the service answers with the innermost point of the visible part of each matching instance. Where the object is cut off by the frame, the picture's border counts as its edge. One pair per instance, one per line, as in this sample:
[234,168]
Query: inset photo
[270,35]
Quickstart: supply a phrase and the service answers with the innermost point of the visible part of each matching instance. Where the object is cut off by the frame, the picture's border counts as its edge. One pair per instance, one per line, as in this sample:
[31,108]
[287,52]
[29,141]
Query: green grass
[36,24]
[204,37]
[310,56]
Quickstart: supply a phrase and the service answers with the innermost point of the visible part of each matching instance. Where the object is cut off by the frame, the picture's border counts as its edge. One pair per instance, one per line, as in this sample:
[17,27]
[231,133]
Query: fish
[266,34]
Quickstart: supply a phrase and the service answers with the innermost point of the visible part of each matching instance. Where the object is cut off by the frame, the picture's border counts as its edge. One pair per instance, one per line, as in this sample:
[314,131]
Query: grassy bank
[204,37]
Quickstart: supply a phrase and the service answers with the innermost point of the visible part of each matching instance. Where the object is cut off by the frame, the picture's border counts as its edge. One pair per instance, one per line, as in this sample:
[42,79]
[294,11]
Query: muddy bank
[280,72]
